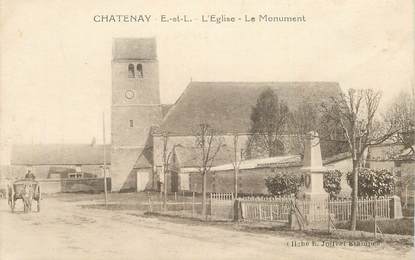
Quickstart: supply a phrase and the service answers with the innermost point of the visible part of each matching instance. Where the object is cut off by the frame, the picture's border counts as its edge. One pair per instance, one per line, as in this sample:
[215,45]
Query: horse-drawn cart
[27,190]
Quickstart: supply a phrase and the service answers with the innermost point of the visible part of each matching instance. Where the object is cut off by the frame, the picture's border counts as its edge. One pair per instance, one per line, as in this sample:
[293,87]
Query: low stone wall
[50,185]
[85,185]
[250,181]
[74,185]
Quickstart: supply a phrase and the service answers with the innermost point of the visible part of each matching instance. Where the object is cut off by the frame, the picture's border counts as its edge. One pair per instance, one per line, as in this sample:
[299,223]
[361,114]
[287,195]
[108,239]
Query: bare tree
[354,111]
[208,144]
[269,119]
[401,114]
[237,155]
[167,155]
[303,120]
[309,117]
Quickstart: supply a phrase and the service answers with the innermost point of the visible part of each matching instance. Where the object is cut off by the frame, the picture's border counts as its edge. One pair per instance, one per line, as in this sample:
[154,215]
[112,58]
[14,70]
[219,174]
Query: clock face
[129,94]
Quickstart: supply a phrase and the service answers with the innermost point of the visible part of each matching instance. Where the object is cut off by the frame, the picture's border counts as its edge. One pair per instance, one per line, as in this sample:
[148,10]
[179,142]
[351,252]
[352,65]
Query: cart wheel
[13,204]
[38,198]
[25,206]
[12,201]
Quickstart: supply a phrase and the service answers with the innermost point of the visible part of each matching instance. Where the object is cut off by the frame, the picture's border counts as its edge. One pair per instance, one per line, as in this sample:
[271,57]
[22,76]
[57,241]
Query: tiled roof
[57,154]
[271,162]
[165,108]
[337,157]
[134,49]
[227,106]
[145,159]
[191,157]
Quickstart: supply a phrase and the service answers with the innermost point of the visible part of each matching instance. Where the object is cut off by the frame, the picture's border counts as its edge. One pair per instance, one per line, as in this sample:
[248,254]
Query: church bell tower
[135,106]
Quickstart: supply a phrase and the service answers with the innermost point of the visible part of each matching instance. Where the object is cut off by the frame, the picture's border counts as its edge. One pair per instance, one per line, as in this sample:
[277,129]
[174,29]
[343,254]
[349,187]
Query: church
[139,121]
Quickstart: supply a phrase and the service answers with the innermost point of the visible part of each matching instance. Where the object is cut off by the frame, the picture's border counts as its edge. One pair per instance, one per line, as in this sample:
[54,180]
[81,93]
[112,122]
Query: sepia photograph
[207,129]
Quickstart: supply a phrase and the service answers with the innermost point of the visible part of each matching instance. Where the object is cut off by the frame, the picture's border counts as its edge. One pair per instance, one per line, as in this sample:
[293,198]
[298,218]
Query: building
[140,122]
[58,161]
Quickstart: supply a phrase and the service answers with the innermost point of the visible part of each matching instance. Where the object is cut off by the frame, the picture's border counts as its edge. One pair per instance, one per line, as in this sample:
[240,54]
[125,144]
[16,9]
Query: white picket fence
[366,208]
[265,209]
[259,209]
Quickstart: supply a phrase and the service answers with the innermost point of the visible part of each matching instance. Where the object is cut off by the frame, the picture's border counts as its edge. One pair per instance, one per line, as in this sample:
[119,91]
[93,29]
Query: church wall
[188,142]
[137,135]
[146,88]
[250,181]
[135,107]
[123,174]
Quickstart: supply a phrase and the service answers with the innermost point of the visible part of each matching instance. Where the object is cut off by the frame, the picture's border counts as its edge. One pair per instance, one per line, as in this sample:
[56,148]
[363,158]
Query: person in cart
[30,175]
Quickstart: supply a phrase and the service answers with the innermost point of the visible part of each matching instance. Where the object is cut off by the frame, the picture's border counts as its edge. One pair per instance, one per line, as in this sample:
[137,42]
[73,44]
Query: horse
[27,191]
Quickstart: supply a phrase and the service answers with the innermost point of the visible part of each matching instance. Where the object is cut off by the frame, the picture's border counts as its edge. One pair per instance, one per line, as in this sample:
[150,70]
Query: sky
[55,70]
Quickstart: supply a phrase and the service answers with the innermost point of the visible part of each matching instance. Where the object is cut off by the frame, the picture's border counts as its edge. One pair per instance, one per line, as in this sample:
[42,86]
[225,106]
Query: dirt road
[64,230]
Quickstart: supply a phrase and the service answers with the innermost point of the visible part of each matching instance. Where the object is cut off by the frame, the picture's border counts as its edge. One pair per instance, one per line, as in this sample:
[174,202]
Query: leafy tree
[269,119]
[373,182]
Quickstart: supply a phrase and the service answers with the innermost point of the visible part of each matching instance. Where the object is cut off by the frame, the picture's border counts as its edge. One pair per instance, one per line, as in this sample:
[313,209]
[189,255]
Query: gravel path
[63,230]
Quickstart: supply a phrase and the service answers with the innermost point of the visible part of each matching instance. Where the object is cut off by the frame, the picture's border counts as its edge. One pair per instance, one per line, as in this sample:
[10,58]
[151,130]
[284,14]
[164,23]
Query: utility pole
[236,164]
[105,159]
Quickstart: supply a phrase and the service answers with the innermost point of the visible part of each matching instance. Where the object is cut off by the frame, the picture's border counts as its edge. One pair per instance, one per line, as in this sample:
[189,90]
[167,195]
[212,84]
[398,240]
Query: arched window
[131,73]
[140,70]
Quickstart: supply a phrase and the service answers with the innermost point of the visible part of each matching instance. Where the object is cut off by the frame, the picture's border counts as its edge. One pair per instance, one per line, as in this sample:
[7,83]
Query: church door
[174,181]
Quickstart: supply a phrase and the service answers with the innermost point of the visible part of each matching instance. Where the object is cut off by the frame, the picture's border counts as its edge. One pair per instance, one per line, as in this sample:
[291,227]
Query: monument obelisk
[314,197]
[313,168]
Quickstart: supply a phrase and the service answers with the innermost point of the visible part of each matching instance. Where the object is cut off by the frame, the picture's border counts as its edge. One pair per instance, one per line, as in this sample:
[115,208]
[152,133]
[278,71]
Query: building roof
[287,160]
[165,109]
[406,155]
[270,162]
[337,157]
[134,49]
[58,154]
[191,157]
[145,159]
[227,106]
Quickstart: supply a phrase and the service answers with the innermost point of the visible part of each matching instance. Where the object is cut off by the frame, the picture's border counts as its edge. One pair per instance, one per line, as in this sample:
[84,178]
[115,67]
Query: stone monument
[314,197]
[313,168]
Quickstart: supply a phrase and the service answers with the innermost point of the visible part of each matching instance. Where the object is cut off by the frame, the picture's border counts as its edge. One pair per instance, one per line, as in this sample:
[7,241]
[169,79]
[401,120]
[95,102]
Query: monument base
[315,207]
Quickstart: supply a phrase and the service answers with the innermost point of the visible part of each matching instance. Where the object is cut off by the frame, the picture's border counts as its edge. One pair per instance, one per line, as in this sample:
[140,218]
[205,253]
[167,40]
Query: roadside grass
[281,229]
[398,232]
[403,226]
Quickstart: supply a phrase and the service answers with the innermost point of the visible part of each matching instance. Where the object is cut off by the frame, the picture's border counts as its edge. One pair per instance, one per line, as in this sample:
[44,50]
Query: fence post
[175,196]
[374,218]
[406,196]
[328,212]
[150,208]
[206,217]
[260,211]
[193,204]
[235,209]
[184,201]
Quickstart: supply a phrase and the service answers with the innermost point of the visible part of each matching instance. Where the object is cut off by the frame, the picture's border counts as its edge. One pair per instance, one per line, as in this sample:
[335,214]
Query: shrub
[373,182]
[290,183]
[331,182]
[284,183]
